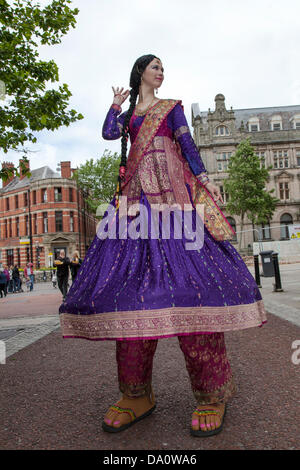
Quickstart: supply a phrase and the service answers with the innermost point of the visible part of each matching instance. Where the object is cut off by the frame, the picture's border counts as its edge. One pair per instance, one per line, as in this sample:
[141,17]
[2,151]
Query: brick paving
[54,391]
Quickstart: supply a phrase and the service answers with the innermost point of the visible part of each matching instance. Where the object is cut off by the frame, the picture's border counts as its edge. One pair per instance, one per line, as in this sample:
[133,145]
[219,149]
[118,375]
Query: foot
[210,422]
[138,405]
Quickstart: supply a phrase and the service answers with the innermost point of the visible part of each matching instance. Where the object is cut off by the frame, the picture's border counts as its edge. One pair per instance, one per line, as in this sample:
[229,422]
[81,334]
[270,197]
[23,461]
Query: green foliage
[98,179]
[24,26]
[246,186]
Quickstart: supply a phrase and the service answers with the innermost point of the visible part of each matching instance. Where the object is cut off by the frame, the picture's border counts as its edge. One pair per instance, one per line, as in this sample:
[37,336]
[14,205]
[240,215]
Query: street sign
[24,241]
[294,231]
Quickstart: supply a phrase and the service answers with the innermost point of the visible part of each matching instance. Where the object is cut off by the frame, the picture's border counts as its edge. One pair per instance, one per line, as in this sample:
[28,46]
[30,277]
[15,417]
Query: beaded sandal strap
[118,409]
[207,412]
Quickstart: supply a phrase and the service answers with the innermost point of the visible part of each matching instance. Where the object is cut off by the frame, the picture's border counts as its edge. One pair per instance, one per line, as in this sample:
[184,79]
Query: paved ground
[54,392]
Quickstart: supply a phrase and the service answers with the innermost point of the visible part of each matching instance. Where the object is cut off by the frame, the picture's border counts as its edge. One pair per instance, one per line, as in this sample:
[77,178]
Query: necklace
[144,111]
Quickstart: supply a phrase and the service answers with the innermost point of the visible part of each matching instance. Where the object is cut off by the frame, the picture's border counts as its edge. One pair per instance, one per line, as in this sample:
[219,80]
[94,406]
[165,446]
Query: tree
[98,179]
[245,186]
[31,107]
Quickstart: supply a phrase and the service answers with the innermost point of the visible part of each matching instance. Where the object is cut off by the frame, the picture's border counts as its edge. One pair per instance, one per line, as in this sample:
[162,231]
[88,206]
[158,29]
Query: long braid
[135,82]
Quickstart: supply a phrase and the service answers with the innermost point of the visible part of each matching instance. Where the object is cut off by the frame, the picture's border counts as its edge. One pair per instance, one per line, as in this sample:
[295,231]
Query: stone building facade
[42,214]
[275,134]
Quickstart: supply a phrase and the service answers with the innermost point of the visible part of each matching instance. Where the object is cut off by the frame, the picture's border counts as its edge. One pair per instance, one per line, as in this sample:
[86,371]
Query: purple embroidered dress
[154,288]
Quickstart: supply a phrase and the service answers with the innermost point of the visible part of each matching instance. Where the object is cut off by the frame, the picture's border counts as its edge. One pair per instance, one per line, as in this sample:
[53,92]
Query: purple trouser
[206,361]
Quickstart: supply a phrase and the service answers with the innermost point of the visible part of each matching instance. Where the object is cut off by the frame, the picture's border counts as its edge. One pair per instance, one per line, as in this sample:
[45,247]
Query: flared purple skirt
[154,288]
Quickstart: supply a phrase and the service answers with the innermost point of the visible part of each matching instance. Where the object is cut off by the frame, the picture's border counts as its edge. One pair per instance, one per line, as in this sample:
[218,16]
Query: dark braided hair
[135,82]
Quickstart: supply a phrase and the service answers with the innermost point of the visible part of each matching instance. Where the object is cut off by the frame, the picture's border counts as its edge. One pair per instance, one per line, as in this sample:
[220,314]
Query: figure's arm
[188,147]
[113,124]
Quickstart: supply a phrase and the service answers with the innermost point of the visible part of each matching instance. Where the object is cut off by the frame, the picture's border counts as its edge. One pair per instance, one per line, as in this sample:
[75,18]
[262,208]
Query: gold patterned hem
[159,323]
[221,395]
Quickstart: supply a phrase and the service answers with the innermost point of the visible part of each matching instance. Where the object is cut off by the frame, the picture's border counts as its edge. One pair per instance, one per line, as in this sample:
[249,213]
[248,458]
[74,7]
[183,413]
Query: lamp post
[37,254]
[30,228]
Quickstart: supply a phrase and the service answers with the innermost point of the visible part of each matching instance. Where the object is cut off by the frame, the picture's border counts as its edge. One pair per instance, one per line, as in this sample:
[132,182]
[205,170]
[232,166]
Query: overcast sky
[249,51]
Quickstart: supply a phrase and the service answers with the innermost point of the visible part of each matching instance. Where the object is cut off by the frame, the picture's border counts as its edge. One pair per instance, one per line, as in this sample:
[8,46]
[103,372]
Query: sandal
[134,418]
[208,412]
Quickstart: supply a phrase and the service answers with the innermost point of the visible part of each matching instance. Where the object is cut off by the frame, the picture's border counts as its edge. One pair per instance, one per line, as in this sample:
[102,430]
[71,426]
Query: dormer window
[222,130]
[276,123]
[296,122]
[253,124]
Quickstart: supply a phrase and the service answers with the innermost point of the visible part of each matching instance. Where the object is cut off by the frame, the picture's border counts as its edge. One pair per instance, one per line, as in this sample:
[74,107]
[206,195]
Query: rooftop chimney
[65,168]
[7,165]
[27,165]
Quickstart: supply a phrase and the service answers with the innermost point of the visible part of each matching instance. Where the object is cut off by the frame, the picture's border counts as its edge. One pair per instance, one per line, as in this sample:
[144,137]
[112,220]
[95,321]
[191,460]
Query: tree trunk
[241,237]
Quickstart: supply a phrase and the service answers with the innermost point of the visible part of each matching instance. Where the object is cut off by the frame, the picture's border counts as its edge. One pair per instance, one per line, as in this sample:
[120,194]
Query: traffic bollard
[277,286]
[256,266]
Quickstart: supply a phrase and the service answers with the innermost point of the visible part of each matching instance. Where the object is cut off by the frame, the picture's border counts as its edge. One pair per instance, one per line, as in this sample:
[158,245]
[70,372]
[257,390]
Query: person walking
[54,278]
[75,265]
[137,289]
[3,281]
[10,282]
[6,272]
[28,273]
[16,279]
[62,264]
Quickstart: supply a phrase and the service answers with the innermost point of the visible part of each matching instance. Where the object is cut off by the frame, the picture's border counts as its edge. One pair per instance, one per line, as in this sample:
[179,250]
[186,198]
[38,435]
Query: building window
[57,194]
[7,203]
[34,197]
[25,199]
[26,225]
[224,195]
[233,225]
[16,201]
[222,130]
[264,231]
[298,157]
[262,158]
[280,159]
[27,254]
[44,195]
[10,257]
[285,221]
[45,222]
[276,123]
[18,257]
[35,223]
[58,221]
[253,124]
[5,229]
[10,228]
[71,221]
[223,160]
[71,194]
[18,226]
[284,192]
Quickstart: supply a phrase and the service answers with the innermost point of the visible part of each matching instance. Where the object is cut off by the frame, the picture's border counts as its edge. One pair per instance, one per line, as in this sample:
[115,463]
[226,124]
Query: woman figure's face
[154,74]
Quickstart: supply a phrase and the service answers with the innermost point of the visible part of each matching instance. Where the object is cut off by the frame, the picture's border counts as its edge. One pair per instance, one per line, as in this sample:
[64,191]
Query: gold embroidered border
[180,131]
[170,321]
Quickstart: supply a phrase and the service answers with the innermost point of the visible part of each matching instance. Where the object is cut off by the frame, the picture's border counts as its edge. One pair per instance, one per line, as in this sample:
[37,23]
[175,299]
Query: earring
[156,91]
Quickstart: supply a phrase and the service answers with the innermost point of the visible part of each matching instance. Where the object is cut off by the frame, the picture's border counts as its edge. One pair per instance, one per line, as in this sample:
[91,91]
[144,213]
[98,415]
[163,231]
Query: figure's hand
[119,95]
[214,191]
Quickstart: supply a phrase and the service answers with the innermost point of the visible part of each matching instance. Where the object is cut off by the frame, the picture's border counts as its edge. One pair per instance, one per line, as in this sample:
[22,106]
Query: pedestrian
[16,279]
[75,264]
[62,264]
[54,278]
[3,281]
[10,282]
[138,289]
[6,272]
[28,273]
